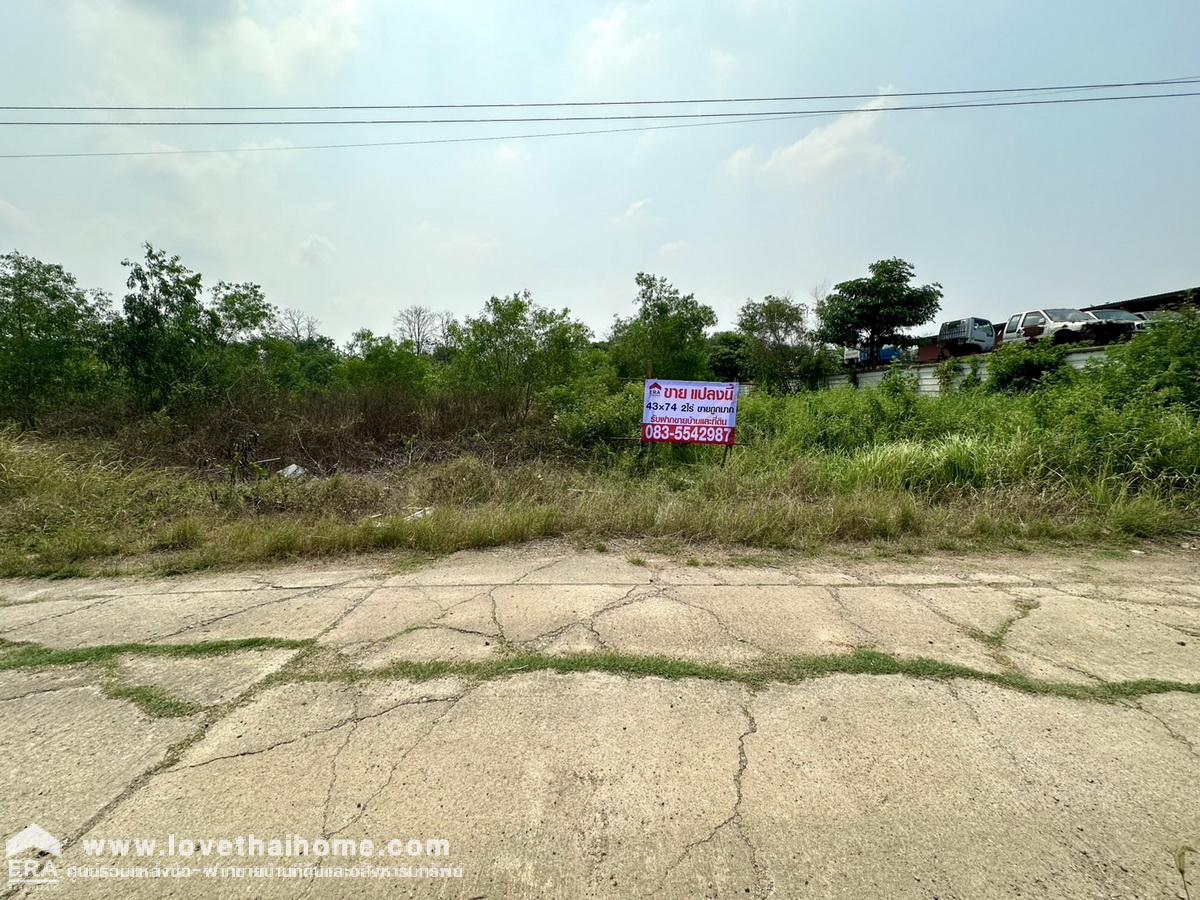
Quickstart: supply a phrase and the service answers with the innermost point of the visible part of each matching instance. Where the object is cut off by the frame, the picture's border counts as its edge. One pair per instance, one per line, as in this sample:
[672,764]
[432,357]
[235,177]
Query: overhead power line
[585,103]
[456,140]
[136,123]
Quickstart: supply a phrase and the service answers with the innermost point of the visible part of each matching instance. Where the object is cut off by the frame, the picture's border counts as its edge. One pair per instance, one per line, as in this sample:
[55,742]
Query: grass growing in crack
[150,700]
[787,670]
[995,639]
[516,663]
[37,656]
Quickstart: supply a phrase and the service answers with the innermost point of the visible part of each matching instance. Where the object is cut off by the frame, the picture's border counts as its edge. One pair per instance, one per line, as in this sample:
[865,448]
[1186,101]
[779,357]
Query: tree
[50,333]
[243,310]
[872,311]
[727,356]
[778,348]
[666,337]
[417,325]
[295,325]
[376,363]
[166,338]
[295,354]
[516,351]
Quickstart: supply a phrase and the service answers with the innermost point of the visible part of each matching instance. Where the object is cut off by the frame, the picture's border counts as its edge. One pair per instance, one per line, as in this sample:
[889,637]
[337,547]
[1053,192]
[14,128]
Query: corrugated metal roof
[1169,300]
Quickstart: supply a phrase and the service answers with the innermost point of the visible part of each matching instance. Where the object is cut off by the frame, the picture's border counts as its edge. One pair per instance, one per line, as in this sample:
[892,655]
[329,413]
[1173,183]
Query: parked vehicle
[887,355]
[964,336]
[1133,320]
[1063,326]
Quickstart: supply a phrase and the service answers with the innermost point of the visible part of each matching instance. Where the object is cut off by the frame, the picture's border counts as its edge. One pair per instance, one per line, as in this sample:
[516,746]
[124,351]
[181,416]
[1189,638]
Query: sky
[1063,205]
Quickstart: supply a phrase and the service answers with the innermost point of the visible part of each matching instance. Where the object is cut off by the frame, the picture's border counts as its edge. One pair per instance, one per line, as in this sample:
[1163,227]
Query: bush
[1022,367]
[595,417]
[1162,364]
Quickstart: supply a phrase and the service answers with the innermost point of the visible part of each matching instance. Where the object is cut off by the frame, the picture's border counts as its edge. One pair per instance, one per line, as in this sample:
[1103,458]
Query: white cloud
[613,45]
[315,250]
[742,162]
[846,144]
[672,248]
[198,166]
[512,153]
[723,62]
[637,213]
[13,218]
[436,237]
[189,47]
[468,244]
[283,37]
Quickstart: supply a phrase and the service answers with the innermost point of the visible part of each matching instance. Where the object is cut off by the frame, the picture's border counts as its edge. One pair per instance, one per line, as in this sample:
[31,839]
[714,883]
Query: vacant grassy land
[63,512]
[1107,455]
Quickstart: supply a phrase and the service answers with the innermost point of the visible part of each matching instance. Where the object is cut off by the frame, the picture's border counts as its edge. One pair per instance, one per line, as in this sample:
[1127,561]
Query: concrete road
[545,722]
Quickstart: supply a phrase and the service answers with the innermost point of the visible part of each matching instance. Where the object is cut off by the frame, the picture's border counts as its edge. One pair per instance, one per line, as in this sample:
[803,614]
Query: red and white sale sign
[689,412]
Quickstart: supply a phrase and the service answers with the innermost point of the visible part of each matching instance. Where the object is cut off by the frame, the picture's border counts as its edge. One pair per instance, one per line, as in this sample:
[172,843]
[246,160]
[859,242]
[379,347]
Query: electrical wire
[605,118]
[457,140]
[586,103]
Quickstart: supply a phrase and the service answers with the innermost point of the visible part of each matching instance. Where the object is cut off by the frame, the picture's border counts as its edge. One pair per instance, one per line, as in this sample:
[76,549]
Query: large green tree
[375,362]
[165,337]
[874,311]
[781,353]
[727,356]
[50,332]
[516,351]
[179,349]
[666,338]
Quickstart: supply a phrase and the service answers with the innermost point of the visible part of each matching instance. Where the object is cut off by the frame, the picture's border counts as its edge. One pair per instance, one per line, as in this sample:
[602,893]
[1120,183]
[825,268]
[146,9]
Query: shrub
[947,372]
[1022,367]
[1161,364]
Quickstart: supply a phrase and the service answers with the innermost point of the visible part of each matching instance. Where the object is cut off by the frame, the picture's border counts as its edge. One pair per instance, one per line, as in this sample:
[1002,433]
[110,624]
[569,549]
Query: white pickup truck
[1062,326]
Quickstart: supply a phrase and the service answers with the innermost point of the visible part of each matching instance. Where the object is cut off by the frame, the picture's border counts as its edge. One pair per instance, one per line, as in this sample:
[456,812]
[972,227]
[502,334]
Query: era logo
[31,853]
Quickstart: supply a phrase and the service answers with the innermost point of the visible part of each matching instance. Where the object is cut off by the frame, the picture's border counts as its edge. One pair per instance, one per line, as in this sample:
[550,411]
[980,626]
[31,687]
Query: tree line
[172,348]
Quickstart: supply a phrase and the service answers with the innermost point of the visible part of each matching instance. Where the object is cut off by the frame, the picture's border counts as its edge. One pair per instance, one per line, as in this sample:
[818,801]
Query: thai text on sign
[689,412]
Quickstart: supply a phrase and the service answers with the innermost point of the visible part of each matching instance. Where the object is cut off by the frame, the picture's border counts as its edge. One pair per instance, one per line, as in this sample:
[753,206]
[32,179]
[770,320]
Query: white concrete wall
[927,382]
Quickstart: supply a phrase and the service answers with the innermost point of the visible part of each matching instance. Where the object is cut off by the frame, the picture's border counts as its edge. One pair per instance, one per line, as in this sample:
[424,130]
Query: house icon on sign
[33,837]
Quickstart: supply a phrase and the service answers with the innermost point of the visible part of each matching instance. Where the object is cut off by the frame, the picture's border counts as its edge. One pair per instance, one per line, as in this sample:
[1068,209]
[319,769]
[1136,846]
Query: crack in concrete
[1166,726]
[458,629]
[362,807]
[1062,665]
[353,718]
[333,767]
[50,690]
[52,598]
[626,599]
[539,568]
[491,595]
[172,754]
[346,613]
[763,884]
[835,593]
[993,740]
[724,626]
[362,647]
[915,594]
[70,612]
[1067,836]
[237,612]
[457,603]
[1120,604]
